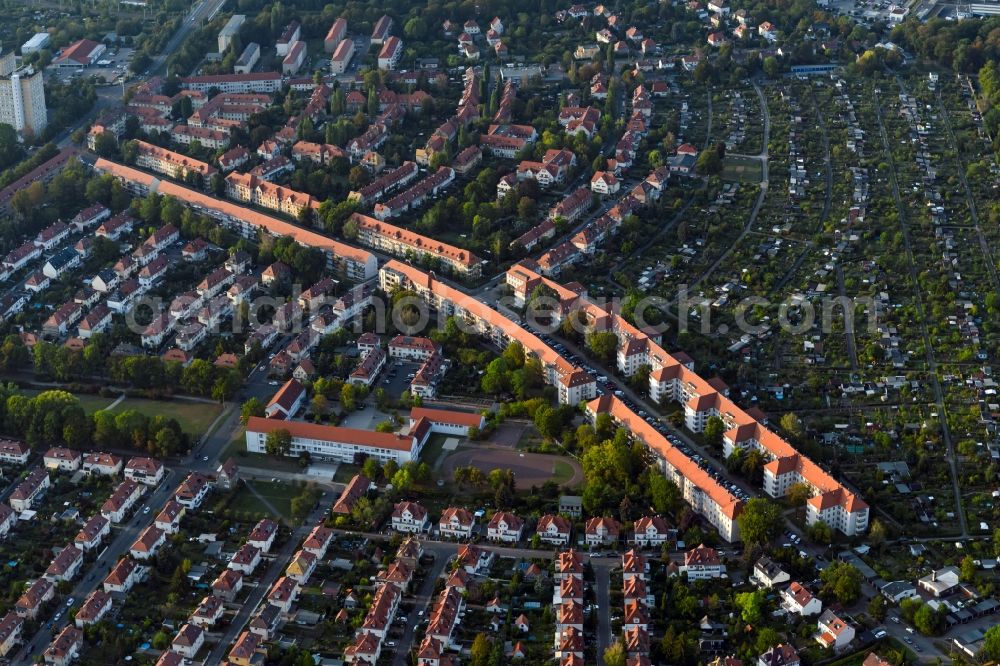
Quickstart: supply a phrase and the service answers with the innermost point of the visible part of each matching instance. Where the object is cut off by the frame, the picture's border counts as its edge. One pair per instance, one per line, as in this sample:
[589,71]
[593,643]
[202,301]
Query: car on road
[146,510]
[204,458]
[70,602]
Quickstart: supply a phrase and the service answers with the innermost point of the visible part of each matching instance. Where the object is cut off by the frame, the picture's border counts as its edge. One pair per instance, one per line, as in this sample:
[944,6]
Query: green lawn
[345,473]
[90,403]
[562,472]
[431,453]
[279,494]
[741,169]
[195,417]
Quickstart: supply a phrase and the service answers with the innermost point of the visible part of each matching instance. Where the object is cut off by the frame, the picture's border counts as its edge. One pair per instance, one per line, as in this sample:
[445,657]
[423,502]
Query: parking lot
[112,65]
[396,377]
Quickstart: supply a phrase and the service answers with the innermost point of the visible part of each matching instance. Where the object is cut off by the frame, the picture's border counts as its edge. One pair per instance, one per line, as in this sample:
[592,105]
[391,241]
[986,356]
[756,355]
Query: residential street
[421,602]
[95,572]
[276,568]
[602,572]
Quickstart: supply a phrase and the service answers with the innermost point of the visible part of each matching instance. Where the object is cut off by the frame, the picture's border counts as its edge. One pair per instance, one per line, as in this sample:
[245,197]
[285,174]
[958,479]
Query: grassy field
[562,472]
[90,403]
[195,417]
[741,169]
[278,494]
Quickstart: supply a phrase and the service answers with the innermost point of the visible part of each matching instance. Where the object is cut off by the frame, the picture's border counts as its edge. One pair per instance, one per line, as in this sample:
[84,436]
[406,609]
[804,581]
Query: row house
[542,231]
[507,140]
[383,609]
[552,170]
[635,566]
[154,271]
[414,197]
[403,242]
[233,158]
[61,262]
[573,206]
[368,368]
[37,282]
[318,153]
[214,283]
[444,615]
[398,574]
[154,335]
[174,165]
[371,139]
[250,189]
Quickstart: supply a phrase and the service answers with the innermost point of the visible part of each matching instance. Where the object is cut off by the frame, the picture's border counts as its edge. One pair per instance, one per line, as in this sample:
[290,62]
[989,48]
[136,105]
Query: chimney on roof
[933,576]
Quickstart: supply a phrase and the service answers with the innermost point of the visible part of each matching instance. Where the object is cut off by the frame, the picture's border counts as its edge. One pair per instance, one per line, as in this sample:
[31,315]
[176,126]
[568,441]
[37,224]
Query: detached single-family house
[456,523]
[506,527]
[800,601]
[554,529]
[409,517]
